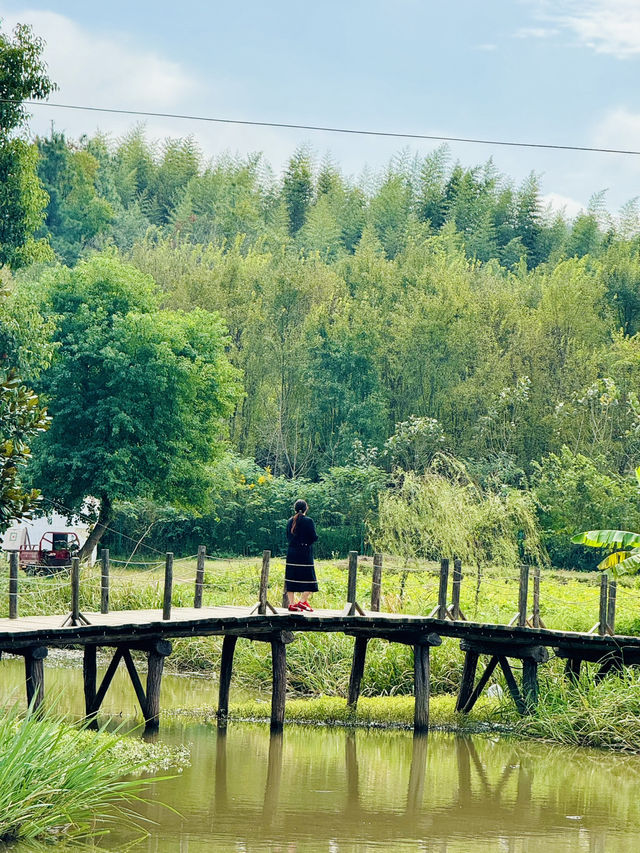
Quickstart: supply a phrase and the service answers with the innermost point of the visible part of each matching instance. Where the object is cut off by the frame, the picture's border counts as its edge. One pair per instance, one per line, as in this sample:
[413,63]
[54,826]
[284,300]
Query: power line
[328,129]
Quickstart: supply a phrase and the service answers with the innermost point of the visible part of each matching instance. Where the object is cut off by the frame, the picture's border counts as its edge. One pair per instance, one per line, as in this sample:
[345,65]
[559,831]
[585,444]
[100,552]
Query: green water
[320,789]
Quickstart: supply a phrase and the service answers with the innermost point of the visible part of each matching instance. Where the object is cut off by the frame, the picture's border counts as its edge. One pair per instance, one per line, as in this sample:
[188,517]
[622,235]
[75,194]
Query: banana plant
[624,545]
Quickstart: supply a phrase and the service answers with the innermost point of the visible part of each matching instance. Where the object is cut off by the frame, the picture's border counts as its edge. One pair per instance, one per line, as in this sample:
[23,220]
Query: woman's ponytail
[300,508]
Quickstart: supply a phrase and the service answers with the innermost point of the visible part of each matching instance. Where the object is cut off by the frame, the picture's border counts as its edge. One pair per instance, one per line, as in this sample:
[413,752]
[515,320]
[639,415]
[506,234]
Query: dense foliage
[376,323]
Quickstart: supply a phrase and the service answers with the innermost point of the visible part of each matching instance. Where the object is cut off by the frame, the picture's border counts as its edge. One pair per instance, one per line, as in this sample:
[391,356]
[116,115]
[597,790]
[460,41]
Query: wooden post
[442,589]
[104,582]
[13,585]
[90,673]
[168,586]
[353,581]
[264,583]
[357,670]
[75,590]
[536,597]
[376,583]
[530,683]
[421,687]
[34,674]
[602,618]
[611,607]
[155,665]
[226,668]
[197,597]
[455,588]
[468,679]
[523,594]
[279,684]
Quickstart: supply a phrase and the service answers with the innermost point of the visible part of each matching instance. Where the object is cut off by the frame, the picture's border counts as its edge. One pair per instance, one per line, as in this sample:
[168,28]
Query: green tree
[137,395]
[297,189]
[22,76]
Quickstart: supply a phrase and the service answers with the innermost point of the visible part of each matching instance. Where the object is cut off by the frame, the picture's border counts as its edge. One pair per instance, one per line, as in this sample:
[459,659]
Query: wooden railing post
[455,588]
[376,582]
[442,589]
[264,583]
[536,597]
[353,577]
[104,582]
[611,607]
[602,617]
[13,585]
[197,597]
[168,586]
[523,594]
[75,590]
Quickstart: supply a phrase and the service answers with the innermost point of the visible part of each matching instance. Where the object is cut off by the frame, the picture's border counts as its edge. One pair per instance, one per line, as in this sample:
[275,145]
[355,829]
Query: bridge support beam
[525,699]
[149,699]
[357,670]
[34,674]
[226,669]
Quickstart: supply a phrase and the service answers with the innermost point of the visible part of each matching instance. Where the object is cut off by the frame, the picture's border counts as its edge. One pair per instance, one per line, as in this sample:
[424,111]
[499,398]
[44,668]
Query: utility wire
[328,129]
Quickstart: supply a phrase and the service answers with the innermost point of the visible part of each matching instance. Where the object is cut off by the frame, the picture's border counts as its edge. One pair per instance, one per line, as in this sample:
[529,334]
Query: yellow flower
[261,479]
[252,485]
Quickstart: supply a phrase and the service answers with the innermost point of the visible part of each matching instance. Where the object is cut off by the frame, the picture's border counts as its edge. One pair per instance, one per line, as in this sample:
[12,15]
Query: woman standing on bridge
[300,574]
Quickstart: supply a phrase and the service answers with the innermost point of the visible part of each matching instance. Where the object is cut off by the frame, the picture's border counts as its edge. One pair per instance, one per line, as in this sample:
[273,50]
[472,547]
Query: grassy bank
[604,715]
[59,780]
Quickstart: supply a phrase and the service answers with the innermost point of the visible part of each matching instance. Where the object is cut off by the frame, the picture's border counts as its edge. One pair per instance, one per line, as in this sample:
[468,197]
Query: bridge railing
[447,606]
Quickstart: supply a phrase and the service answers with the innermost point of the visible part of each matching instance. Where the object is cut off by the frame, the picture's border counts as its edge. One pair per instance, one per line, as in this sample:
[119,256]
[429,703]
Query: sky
[563,72]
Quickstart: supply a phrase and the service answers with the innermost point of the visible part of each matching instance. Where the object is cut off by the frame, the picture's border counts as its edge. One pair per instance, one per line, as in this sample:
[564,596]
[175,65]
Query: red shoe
[304,605]
[296,607]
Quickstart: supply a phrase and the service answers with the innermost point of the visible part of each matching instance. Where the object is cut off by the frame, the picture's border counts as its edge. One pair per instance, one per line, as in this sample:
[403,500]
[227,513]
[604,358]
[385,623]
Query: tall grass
[61,779]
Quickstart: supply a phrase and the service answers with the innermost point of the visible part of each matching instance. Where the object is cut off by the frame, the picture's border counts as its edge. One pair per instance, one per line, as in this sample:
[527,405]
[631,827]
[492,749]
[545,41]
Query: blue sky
[527,70]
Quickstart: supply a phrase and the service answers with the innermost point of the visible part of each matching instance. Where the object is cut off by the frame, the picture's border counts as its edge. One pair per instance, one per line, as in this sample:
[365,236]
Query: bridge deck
[131,625]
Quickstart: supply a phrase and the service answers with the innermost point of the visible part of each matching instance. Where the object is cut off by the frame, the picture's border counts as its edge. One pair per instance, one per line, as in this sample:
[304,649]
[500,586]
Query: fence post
[455,588]
[536,597]
[376,582]
[602,618]
[75,590]
[442,589]
[352,583]
[168,586]
[523,594]
[104,582]
[197,597]
[264,583]
[611,607]
[13,585]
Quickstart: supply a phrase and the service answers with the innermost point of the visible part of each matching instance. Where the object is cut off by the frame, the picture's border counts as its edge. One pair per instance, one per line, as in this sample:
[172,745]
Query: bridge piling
[34,674]
[226,669]
[360,645]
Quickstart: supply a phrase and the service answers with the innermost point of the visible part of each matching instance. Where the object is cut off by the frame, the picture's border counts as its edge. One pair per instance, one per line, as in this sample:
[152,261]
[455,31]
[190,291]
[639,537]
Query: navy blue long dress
[300,574]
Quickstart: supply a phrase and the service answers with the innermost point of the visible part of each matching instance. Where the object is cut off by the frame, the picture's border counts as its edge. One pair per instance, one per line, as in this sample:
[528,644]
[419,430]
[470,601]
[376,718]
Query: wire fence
[484,595]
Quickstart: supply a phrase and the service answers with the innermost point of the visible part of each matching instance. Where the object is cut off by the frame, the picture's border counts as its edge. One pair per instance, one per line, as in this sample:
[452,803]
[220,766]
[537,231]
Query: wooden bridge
[151,631]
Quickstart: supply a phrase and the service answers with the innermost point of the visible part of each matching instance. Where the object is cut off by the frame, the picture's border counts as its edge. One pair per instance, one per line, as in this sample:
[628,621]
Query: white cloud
[620,129]
[606,26]
[557,203]
[105,70]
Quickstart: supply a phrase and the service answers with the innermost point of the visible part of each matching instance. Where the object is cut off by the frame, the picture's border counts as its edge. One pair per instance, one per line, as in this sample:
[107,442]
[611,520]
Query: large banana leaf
[616,558]
[607,539]
[629,565]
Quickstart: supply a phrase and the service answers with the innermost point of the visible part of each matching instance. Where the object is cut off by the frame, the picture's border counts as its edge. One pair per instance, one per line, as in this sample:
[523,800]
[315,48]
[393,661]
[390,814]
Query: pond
[328,789]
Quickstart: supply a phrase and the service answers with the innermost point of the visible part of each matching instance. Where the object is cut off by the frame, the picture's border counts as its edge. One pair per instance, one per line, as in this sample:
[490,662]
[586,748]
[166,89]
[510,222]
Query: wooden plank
[357,670]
